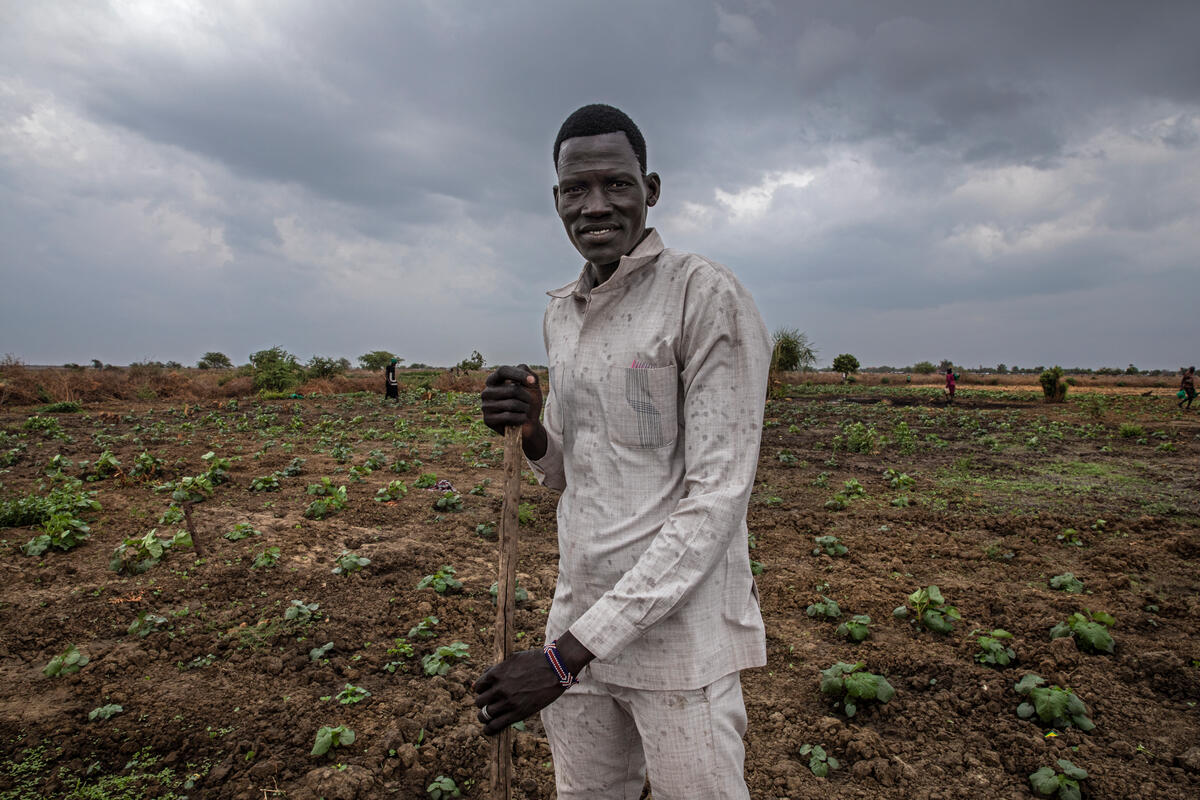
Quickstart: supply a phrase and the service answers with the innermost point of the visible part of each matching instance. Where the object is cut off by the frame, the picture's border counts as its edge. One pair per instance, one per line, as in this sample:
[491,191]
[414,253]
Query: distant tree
[97,364]
[72,366]
[376,360]
[1001,369]
[845,364]
[321,367]
[214,360]
[1053,386]
[924,367]
[792,350]
[945,364]
[275,369]
[471,362]
[173,365]
[1131,370]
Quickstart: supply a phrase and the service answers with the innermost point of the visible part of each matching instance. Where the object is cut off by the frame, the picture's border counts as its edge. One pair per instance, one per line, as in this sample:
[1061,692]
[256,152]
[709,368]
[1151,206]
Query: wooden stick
[506,600]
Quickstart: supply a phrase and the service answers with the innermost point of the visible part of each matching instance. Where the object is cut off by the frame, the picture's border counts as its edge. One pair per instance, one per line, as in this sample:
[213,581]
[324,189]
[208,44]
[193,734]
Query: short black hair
[597,119]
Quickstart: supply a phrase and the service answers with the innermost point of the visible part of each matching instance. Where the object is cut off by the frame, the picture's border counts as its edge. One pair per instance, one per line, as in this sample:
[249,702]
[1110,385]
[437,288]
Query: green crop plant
[146,465]
[242,530]
[318,653]
[819,761]
[519,594]
[821,481]
[525,513]
[852,488]
[352,694]
[442,581]
[425,481]
[300,611]
[839,502]
[850,688]
[218,468]
[145,624]
[449,501]
[331,737]
[1062,783]
[904,438]
[486,530]
[1054,706]
[68,662]
[49,426]
[442,788]
[191,489]
[40,506]
[393,491]
[480,489]
[856,629]
[329,500]
[265,483]
[266,559]
[1071,537]
[1067,582]
[994,650]
[898,480]
[826,607]
[929,610]
[295,467]
[348,562]
[856,438]
[1089,630]
[787,458]
[1131,430]
[439,661]
[423,629]
[62,531]
[105,465]
[134,556]
[105,712]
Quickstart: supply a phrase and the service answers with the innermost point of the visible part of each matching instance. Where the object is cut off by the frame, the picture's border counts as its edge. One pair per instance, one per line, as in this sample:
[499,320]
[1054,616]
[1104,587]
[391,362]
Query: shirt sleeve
[724,359]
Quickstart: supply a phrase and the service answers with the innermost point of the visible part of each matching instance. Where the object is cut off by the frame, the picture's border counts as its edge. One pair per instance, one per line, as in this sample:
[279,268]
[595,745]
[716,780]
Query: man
[658,370]
[391,386]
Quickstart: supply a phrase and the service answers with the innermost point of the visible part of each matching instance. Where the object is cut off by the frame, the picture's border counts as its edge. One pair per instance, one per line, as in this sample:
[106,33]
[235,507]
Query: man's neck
[606,271]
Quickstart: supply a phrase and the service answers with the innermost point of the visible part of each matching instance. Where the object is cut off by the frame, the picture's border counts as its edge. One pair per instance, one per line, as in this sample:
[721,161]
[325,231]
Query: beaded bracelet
[565,679]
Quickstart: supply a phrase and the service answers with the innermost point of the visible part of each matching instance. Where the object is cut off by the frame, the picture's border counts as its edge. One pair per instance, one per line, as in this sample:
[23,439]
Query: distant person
[950,384]
[1187,385]
[391,387]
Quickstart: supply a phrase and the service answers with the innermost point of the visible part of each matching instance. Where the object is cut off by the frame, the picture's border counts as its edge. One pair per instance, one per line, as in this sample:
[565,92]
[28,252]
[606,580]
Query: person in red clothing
[950,384]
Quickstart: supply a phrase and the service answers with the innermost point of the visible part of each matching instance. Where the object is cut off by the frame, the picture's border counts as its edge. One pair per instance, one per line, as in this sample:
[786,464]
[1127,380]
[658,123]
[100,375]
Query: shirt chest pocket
[641,406]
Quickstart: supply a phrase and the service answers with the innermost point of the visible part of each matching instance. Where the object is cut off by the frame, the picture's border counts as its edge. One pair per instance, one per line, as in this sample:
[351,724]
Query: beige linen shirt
[653,419]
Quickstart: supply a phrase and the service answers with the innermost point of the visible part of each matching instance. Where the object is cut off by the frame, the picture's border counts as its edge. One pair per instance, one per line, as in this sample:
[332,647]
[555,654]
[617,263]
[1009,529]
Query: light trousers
[605,738]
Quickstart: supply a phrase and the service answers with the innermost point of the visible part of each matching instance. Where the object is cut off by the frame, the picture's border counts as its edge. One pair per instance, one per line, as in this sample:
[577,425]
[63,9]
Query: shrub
[275,369]
[321,367]
[791,351]
[1053,386]
[376,360]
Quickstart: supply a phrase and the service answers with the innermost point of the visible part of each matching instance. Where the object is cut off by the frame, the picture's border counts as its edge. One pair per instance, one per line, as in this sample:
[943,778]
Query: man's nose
[596,202]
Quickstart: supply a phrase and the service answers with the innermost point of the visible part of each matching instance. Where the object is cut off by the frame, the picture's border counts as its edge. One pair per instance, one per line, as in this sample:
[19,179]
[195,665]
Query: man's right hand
[511,397]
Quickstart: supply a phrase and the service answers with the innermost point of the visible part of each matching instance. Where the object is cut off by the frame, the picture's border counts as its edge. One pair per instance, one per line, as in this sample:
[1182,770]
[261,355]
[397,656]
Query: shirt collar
[647,251]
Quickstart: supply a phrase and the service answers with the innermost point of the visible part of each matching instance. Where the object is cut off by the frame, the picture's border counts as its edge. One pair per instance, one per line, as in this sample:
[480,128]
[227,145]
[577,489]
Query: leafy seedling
[441,788]
[519,594]
[486,530]
[439,661]
[850,688]
[300,611]
[829,545]
[393,491]
[265,483]
[267,558]
[1064,785]
[993,648]
[442,581]
[317,653]
[242,530]
[426,480]
[352,694]
[827,607]
[135,556]
[145,624]
[819,761]
[105,712]
[68,662]
[856,629]
[1089,630]
[423,629]
[1053,705]
[1067,582]
[449,501]
[929,610]
[348,562]
[329,738]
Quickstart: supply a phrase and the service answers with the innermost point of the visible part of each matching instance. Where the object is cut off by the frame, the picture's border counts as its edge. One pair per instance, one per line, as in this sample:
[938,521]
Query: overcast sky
[1009,182]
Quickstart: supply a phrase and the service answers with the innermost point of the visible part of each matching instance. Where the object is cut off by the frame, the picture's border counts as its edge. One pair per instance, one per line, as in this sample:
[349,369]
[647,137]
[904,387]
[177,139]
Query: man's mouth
[596,231]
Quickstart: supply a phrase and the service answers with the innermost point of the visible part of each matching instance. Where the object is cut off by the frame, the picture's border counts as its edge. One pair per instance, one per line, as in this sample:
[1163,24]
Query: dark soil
[226,698]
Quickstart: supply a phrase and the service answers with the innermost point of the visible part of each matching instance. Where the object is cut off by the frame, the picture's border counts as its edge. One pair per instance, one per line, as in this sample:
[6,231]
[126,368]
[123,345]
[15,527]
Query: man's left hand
[516,689]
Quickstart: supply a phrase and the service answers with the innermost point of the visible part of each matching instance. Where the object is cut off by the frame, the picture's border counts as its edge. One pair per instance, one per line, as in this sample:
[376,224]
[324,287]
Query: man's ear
[653,187]
[555,196]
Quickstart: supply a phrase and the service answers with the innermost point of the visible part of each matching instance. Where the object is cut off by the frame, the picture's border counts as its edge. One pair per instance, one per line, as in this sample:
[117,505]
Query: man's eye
[572,189]
[619,184]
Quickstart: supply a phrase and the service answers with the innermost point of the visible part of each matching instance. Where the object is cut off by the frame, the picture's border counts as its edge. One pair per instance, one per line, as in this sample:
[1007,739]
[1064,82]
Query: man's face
[602,196]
